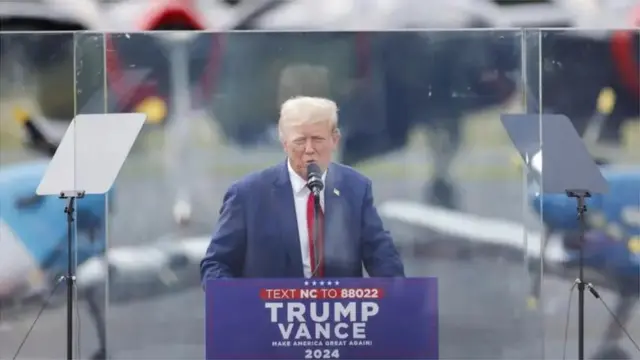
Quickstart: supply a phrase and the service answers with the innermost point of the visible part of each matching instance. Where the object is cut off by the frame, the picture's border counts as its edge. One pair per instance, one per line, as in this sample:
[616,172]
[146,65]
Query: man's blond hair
[306,109]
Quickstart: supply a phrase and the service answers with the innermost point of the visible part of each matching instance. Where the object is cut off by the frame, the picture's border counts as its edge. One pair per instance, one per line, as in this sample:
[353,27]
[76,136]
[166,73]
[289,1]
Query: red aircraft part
[169,12]
[624,49]
[177,11]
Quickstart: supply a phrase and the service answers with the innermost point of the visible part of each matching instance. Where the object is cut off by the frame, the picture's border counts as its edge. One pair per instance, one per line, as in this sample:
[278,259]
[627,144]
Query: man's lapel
[333,211]
[282,198]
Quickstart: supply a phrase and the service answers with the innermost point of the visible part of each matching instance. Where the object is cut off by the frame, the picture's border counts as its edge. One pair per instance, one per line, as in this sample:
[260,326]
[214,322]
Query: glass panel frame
[34,232]
[356,93]
[92,211]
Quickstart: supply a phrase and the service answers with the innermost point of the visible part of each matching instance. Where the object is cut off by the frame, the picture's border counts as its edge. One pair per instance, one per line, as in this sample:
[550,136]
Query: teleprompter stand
[70,278]
[581,208]
[89,158]
[566,168]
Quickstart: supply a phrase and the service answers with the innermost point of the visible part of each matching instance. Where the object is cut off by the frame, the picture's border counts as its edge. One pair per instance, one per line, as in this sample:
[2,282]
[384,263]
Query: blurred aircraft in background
[381,92]
[611,243]
[576,65]
[49,15]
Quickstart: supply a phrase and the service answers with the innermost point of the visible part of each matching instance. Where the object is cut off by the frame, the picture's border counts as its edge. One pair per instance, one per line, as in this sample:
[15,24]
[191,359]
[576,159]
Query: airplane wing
[166,266]
[479,236]
[485,231]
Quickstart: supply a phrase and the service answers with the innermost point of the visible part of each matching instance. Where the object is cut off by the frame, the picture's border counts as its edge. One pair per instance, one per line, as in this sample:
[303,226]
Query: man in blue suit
[265,224]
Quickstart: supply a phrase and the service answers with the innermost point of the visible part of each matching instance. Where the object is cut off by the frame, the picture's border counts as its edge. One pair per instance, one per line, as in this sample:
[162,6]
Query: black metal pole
[71,197]
[581,288]
[580,196]
[70,276]
[582,208]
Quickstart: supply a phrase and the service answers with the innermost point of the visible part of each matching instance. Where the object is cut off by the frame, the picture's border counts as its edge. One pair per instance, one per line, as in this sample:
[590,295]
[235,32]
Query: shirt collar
[298,183]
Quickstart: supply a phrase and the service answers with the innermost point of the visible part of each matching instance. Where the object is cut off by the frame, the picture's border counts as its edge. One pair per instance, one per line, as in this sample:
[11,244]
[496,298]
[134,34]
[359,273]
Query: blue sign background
[238,326]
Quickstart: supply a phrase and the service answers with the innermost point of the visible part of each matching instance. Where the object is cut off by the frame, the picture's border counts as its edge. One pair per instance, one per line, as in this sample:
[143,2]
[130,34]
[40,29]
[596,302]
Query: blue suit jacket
[257,233]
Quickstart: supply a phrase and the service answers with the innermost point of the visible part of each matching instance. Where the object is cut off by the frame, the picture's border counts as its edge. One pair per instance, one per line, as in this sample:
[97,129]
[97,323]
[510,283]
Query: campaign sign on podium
[355,318]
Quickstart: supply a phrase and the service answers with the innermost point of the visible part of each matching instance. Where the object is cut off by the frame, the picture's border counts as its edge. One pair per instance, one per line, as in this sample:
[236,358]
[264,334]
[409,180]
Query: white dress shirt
[300,198]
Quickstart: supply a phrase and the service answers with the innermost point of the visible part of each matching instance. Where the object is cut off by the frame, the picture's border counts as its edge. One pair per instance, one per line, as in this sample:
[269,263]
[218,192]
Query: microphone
[314,183]
[314,179]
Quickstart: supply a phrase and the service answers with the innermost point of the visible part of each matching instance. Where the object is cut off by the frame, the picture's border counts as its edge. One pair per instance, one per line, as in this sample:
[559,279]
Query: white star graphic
[336,283]
[329,283]
[321,283]
[313,283]
[306,283]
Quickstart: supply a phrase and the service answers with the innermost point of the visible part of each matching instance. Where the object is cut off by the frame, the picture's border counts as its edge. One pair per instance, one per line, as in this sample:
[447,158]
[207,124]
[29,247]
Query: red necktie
[317,269]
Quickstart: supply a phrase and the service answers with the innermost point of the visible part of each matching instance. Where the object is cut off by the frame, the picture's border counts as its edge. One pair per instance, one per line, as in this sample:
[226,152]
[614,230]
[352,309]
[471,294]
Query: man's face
[311,142]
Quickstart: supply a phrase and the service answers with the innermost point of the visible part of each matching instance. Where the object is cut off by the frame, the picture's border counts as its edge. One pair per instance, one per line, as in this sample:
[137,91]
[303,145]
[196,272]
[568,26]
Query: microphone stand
[316,232]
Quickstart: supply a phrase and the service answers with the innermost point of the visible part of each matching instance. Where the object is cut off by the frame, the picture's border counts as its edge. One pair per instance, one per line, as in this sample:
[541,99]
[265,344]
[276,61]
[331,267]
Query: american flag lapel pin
[336,191]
